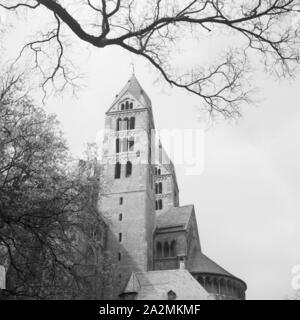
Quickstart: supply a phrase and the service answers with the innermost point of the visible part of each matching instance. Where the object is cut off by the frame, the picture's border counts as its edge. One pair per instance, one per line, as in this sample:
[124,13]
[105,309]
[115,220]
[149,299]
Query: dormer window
[172,295]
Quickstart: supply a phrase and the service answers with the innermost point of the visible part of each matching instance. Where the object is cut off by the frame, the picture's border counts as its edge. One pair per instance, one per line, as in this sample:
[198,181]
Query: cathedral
[153,240]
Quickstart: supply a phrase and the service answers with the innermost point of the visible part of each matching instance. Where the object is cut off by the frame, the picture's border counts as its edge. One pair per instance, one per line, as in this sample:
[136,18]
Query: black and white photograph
[149,151]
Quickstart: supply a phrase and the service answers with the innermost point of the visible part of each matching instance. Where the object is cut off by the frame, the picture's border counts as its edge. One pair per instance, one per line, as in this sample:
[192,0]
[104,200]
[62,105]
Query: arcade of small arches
[223,288]
[166,249]
[126,105]
[125,124]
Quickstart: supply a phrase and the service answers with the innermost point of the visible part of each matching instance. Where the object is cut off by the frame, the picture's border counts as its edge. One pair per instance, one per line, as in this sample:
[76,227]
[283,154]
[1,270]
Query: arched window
[131,105]
[158,250]
[229,288]
[122,106]
[132,123]
[215,286]
[166,250]
[209,284]
[157,172]
[131,144]
[120,217]
[119,123]
[160,204]
[127,105]
[234,289]
[124,145]
[117,145]
[118,170]
[201,281]
[160,187]
[173,249]
[125,125]
[222,286]
[128,169]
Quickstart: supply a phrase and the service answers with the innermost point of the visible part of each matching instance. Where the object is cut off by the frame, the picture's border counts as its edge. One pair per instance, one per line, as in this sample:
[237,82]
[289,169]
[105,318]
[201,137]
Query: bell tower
[127,198]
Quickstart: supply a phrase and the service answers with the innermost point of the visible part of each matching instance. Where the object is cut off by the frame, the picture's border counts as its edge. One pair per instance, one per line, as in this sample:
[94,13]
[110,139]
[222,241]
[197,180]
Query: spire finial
[132,66]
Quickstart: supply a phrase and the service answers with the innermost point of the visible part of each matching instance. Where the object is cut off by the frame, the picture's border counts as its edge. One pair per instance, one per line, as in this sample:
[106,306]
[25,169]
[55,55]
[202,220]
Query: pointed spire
[135,89]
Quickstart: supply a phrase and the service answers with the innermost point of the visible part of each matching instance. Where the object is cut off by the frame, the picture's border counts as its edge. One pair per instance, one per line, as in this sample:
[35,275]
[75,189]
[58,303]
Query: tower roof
[135,89]
[175,217]
[203,264]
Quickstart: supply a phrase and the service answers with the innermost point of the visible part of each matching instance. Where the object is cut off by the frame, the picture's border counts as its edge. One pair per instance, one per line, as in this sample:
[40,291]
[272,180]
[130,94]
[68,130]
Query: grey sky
[247,199]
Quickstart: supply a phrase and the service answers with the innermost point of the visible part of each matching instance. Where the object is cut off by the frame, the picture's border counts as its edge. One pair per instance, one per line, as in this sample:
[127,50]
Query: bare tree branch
[151,29]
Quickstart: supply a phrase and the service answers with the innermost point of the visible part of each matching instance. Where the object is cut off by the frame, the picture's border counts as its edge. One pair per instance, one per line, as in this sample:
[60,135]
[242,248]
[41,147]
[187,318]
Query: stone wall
[128,202]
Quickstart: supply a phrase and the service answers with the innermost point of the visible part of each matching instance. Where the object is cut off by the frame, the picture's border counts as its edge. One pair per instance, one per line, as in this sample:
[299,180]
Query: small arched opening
[172,295]
[118,170]
[159,250]
[173,249]
[166,250]
[128,169]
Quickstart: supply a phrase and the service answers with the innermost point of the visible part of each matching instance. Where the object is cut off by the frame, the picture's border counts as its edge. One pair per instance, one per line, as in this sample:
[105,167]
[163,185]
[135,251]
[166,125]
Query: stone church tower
[128,199]
[153,242]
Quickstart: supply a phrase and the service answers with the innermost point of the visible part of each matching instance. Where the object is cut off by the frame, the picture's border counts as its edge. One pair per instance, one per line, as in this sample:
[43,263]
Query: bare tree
[152,29]
[51,233]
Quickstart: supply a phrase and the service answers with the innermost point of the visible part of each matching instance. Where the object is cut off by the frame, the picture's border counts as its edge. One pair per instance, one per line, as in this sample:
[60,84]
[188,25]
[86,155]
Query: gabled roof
[133,285]
[135,89]
[175,217]
[202,264]
[155,285]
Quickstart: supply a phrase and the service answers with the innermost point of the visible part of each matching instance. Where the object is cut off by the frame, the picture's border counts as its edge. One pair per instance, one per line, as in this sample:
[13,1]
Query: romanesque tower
[152,243]
[127,199]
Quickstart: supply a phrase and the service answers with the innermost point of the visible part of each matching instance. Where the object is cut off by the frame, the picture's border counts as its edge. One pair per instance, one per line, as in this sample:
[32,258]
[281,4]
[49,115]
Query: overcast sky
[247,198]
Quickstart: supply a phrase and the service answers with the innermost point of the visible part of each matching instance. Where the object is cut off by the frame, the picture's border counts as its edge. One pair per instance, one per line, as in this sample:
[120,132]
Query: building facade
[153,242]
